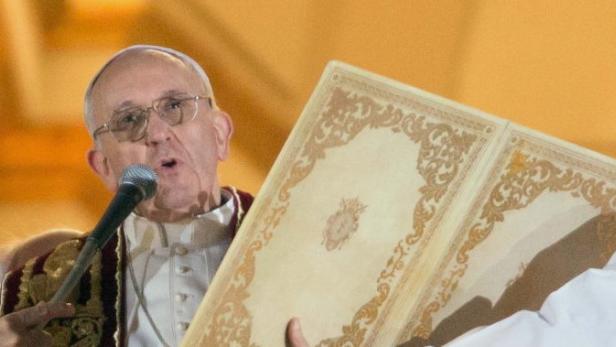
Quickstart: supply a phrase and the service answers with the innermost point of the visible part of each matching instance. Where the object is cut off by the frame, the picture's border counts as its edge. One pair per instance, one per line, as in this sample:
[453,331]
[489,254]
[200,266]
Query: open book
[394,216]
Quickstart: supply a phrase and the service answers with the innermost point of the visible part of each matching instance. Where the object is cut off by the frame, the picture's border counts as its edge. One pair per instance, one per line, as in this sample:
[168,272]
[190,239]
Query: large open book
[393,216]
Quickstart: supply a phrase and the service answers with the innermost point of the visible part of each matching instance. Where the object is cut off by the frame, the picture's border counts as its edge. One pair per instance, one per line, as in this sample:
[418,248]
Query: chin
[175,202]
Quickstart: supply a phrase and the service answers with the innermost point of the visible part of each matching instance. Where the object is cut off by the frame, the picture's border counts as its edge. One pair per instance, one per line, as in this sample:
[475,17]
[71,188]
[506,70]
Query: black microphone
[138,183]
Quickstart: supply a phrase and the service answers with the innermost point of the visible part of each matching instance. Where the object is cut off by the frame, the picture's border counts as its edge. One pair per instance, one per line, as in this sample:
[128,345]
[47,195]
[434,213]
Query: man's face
[184,156]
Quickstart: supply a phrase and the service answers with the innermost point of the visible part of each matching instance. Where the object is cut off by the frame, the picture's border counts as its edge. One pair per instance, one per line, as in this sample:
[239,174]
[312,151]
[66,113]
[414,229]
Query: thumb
[41,313]
[294,334]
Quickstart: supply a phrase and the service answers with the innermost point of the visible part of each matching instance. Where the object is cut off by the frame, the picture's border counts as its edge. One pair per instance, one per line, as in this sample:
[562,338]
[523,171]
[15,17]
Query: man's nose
[157,130]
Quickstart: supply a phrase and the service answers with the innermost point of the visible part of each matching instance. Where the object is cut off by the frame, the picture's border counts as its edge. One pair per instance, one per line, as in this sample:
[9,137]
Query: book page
[367,178]
[543,214]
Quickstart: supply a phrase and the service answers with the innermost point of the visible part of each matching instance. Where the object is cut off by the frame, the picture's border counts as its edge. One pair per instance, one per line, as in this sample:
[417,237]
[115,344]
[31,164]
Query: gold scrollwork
[442,151]
[525,178]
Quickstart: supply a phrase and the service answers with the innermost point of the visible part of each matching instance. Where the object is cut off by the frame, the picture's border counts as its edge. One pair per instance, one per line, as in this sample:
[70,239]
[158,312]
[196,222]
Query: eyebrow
[130,103]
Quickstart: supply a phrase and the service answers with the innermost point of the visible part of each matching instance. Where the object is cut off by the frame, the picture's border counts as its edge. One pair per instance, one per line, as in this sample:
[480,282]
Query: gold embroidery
[56,267]
[442,152]
[24,285]
[342,224]
[85,327]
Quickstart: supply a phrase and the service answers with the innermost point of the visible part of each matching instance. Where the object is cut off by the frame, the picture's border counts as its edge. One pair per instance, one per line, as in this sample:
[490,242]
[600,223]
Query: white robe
[580,313]
[173,263]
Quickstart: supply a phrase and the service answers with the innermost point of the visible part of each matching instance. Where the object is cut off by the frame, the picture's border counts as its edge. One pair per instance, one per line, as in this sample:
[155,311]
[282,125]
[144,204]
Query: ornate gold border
[527,176]
[443,150]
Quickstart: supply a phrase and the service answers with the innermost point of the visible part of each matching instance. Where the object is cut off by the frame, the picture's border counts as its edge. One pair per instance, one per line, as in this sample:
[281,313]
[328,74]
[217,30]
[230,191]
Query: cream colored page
[524,232]
[367,176]
[348,228]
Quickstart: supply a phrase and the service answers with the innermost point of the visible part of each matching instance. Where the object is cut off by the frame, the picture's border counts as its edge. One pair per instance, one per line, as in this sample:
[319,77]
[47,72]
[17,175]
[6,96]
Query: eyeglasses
[130,124]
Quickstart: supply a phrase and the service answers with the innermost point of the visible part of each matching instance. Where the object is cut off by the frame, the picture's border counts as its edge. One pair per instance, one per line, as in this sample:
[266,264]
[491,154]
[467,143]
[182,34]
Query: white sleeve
[580,313]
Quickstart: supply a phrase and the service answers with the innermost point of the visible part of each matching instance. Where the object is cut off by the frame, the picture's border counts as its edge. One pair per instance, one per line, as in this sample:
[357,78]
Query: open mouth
[168,163]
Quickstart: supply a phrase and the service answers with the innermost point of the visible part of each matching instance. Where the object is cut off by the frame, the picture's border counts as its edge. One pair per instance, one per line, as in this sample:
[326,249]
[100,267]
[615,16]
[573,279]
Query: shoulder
[244,199]
[15,255]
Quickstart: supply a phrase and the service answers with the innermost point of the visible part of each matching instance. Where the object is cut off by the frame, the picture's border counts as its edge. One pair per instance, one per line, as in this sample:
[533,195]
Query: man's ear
[100,165]
[223,126]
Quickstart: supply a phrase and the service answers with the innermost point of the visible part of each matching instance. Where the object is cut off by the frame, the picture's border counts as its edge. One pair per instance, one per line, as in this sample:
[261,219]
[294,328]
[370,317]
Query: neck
[158,212]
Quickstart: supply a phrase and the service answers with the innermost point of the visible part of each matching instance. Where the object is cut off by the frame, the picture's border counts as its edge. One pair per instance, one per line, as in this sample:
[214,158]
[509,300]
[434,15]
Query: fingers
[294,334]
[41,313]
[21,328]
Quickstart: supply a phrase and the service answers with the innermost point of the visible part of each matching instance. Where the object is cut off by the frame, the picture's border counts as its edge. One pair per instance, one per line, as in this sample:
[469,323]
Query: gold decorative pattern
[342,223]
[442,151]
[526,177]
[24,285]
[55,269]
[85,327]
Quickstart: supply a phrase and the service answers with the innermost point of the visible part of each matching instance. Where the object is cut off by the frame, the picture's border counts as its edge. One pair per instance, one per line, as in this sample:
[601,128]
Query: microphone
[138,183]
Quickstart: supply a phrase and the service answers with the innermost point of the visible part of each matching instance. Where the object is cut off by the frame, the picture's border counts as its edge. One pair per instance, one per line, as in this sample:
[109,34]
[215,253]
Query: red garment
[99,298]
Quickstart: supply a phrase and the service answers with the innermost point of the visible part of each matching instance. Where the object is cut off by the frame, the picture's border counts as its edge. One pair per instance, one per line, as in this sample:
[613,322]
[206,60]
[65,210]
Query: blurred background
[548,65]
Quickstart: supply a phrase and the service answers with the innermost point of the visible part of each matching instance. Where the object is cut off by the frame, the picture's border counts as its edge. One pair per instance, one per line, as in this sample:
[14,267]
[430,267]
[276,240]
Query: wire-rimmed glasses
[130,124]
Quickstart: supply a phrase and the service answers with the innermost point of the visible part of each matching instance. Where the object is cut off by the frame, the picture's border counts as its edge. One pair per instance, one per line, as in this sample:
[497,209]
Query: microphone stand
[138,183]
[125,200]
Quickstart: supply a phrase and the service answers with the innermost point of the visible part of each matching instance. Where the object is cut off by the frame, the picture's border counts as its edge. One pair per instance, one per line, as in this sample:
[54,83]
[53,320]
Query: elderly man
[150,105]
[154,105]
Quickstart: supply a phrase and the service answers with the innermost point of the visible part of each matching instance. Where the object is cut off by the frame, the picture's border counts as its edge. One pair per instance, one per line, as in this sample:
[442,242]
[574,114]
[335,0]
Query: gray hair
[88,108]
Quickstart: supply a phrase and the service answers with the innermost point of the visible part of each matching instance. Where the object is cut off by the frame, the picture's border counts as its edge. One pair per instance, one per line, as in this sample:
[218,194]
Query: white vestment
[580,313]
[173,264]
